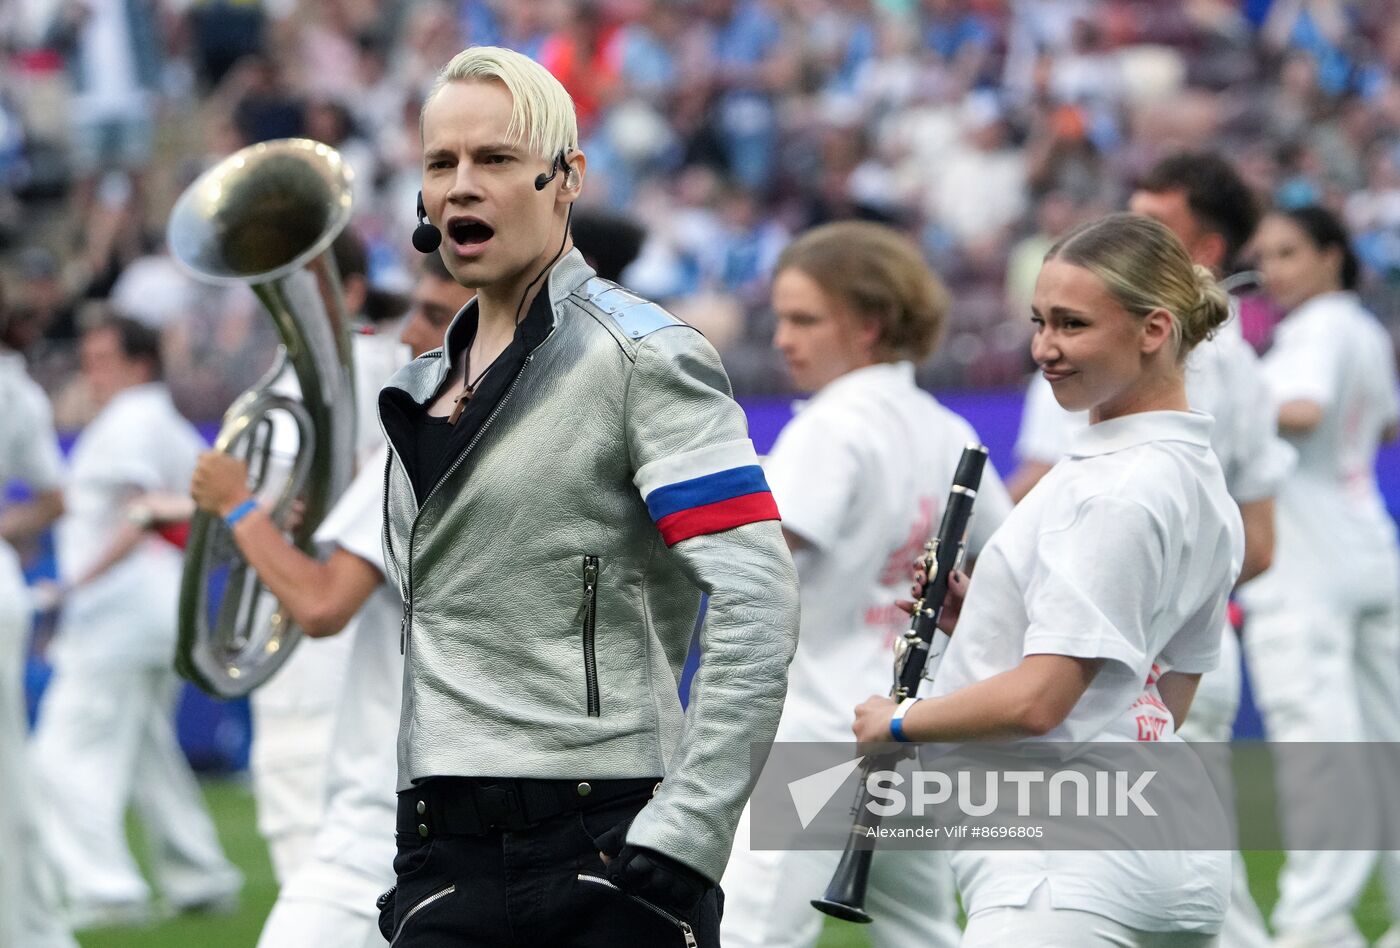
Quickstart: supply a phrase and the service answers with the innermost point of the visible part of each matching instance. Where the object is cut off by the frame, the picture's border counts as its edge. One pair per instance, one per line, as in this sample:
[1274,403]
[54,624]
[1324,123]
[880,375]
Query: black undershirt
[431,436]
[428,444]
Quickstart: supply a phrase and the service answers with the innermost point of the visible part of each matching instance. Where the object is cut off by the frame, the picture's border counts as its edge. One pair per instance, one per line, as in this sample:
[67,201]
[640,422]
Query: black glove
[657,878]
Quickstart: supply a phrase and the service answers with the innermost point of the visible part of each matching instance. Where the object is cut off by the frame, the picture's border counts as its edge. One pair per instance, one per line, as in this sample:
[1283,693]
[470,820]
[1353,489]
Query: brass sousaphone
[266,216]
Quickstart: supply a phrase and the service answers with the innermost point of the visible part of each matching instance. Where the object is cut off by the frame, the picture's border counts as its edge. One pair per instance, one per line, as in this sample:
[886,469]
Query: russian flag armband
[705,491]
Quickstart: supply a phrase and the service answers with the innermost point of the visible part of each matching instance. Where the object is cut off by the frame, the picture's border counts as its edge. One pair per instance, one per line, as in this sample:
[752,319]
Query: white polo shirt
[862,473]
[358,830]
[1125,551]
[1335,539]
[139,442]
[28,453]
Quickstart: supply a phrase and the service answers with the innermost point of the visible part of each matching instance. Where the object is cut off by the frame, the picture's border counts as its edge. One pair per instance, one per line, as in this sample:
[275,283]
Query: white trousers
[1326,673]
[325,904]
[1036,923]
[1212,719]
[768,895]
[28,896]
[293,719]
[288,766]
[106,739]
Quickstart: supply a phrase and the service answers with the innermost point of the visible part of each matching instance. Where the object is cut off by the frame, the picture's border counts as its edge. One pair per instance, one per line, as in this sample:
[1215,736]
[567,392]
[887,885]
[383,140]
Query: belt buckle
[496,805]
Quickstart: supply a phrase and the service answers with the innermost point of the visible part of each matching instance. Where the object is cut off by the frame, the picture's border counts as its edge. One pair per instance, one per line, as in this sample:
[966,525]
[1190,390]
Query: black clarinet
[845,895]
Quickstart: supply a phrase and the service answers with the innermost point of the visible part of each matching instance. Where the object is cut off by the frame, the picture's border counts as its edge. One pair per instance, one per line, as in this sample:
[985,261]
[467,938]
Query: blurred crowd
[982,127]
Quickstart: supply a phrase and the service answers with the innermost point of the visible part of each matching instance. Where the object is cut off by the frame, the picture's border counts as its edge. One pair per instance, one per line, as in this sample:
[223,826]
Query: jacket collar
[425,374]
[1129,431]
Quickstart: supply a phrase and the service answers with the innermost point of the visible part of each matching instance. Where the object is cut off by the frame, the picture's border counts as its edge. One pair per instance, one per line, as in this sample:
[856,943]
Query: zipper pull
[403,629]
[590,573]
[689,934]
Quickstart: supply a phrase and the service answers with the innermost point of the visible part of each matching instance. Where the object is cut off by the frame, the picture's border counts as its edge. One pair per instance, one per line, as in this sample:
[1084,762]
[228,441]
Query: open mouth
[469,232]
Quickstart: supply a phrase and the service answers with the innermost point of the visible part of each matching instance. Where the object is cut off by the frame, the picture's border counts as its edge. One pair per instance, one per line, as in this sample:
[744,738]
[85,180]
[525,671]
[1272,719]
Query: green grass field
[232,806]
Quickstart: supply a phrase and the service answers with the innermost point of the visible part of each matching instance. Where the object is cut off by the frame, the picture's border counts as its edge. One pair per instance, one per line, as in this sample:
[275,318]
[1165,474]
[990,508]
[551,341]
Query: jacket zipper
[418,907]
[590,625]
[406,588]
[684,927]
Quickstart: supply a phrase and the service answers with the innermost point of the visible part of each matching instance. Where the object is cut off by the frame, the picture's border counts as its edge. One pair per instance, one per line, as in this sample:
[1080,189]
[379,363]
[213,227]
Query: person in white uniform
[1324,621]
[294,711]
[330,898]
[1203,201]
[106,736]
[860,475]
[28,455]
[1120,560]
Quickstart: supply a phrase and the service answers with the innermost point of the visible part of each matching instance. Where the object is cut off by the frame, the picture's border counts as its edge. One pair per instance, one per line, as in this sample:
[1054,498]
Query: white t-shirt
[308,687]
[862,473]
[1125,551]
[1334,536]
[1224,379]
[29,454]
[359,825]
[138,442]
[28,447]
[376,357]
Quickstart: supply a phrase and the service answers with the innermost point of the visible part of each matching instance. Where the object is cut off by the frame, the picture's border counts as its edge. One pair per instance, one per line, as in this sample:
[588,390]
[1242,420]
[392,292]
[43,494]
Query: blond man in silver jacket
[566,477]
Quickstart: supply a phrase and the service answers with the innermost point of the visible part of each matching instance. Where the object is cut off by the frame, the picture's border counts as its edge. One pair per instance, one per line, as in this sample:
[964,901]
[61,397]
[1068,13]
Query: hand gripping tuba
[266,216]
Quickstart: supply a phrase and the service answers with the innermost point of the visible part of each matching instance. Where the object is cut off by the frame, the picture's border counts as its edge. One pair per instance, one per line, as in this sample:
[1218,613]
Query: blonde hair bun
[1212,309]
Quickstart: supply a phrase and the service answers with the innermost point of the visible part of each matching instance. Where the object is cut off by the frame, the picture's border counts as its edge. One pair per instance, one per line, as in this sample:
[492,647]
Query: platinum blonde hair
[542,116]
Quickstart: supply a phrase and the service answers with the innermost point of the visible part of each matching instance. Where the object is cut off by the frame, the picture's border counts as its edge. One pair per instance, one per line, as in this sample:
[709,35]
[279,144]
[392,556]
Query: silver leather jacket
[546,621]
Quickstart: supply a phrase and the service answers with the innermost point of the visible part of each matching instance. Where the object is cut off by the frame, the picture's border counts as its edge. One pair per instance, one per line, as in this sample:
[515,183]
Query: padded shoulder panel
[635,316]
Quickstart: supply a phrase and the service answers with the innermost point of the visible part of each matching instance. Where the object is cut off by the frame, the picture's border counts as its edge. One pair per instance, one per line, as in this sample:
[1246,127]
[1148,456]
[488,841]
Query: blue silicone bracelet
[897,726]
[241,511]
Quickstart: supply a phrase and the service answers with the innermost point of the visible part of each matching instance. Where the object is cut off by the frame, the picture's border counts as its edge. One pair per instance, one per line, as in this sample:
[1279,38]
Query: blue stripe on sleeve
[710,489]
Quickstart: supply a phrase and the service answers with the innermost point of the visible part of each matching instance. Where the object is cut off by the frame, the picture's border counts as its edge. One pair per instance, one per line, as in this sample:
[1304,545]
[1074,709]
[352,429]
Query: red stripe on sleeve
[717,517]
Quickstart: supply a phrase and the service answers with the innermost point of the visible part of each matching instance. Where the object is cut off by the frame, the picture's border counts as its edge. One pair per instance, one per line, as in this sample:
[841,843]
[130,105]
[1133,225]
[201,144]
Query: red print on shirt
[1150,728]
[900,564]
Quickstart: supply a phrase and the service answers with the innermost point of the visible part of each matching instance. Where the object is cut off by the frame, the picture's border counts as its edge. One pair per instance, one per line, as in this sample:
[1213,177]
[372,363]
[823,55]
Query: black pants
[537,886]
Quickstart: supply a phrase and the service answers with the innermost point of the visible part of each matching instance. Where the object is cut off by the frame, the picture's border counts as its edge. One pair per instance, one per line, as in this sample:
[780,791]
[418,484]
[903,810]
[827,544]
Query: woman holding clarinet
[1112,572]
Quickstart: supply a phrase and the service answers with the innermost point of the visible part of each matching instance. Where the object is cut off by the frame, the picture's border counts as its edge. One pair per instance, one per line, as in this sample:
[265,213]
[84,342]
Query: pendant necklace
[469,389]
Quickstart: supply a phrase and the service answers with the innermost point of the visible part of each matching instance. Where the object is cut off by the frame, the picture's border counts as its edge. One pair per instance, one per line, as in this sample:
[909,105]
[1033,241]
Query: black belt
[473,806]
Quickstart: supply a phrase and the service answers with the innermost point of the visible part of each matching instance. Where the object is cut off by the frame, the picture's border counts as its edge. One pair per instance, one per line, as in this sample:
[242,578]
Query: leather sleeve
[679,414]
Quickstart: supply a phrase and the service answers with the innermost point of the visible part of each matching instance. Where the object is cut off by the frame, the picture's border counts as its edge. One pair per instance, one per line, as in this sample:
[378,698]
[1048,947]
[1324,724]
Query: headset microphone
[559,164]
[426,237]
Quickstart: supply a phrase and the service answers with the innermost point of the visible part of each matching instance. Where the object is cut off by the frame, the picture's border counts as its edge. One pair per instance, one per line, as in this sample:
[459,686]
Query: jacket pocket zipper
[418,907]
[590,631]
[684,927]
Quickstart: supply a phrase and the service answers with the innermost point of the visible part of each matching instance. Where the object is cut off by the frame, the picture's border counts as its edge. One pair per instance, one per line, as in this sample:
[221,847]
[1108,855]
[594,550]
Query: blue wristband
[897,724]
[241,511]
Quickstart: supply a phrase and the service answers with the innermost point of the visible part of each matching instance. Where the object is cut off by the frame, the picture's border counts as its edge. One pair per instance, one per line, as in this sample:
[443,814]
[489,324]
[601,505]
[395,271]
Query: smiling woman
[1117,307]
[1097,606]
